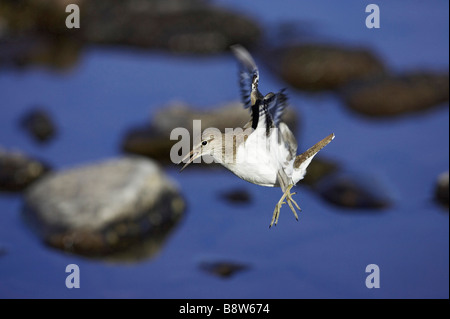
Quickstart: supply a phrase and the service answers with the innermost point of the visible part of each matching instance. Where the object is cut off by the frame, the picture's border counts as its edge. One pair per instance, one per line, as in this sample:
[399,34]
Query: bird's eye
[204,142]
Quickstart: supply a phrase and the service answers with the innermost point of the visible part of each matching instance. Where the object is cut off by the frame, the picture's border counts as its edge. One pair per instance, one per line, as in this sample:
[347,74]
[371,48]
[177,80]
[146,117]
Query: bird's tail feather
[308,154]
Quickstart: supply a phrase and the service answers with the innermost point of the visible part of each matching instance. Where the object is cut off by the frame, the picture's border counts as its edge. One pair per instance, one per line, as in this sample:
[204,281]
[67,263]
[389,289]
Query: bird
[264,150]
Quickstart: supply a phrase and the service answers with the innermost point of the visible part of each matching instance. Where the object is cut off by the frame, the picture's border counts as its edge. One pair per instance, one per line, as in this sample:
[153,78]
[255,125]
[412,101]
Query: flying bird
[264,151]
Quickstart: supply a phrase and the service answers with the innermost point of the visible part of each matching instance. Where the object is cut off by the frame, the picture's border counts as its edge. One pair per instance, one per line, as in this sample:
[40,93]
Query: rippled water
[325,254]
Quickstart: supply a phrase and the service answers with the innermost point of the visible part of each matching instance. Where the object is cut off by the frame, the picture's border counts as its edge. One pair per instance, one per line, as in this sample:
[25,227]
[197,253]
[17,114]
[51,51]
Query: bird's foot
[290,200]
[288,196]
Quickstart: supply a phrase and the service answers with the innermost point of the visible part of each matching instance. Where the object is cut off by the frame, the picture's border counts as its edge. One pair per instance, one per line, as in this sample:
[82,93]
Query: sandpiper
[264,151]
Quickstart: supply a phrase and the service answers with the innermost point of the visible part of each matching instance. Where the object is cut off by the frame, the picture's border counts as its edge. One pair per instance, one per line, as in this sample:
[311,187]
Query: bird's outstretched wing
[248,74]
[265,111]
[261,117]
[275,104]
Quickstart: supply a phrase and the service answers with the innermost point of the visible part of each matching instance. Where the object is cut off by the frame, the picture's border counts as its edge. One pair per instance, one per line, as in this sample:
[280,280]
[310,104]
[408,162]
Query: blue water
[325,254]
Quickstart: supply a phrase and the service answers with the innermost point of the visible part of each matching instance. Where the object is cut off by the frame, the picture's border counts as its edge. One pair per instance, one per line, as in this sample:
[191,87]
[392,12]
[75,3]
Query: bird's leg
[276,212]
[288,196]
[289,200]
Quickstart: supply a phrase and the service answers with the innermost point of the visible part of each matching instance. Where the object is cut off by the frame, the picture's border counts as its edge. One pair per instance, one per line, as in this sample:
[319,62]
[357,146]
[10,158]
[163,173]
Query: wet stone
[18,171]
[315,67]
[354,190]
[120,208]
[393,95]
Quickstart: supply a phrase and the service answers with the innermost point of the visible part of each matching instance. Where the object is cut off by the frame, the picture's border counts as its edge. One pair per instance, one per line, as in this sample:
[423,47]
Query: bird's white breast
[259,158]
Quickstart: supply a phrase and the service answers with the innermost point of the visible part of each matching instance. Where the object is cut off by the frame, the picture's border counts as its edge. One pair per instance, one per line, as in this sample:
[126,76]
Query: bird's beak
[192,155]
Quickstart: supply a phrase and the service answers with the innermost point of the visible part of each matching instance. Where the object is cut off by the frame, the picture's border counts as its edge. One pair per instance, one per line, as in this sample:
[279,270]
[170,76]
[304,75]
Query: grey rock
[106,208]
[18,171]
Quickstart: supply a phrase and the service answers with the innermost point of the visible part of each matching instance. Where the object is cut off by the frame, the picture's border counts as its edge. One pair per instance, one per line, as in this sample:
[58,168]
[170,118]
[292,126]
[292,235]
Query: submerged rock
[324,67]
[39,124]
[441,189]
[353,190]
[154,140]
[120,208]
[392,95]
[18,171]
[223,269]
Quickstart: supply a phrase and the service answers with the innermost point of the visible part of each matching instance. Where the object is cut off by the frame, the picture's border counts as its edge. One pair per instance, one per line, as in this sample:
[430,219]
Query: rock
[237,196]
[121,208]
[345,188]
[39,124]
[324,67]
[441,190]
[153,141]
[23,50]
[392,95]
[144,140]
[34,31]
[353,190]
[189,27]
[223,269]
[18,171]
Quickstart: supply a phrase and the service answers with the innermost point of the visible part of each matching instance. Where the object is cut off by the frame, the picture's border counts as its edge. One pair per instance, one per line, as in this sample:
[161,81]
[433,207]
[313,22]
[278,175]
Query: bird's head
[210,145]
